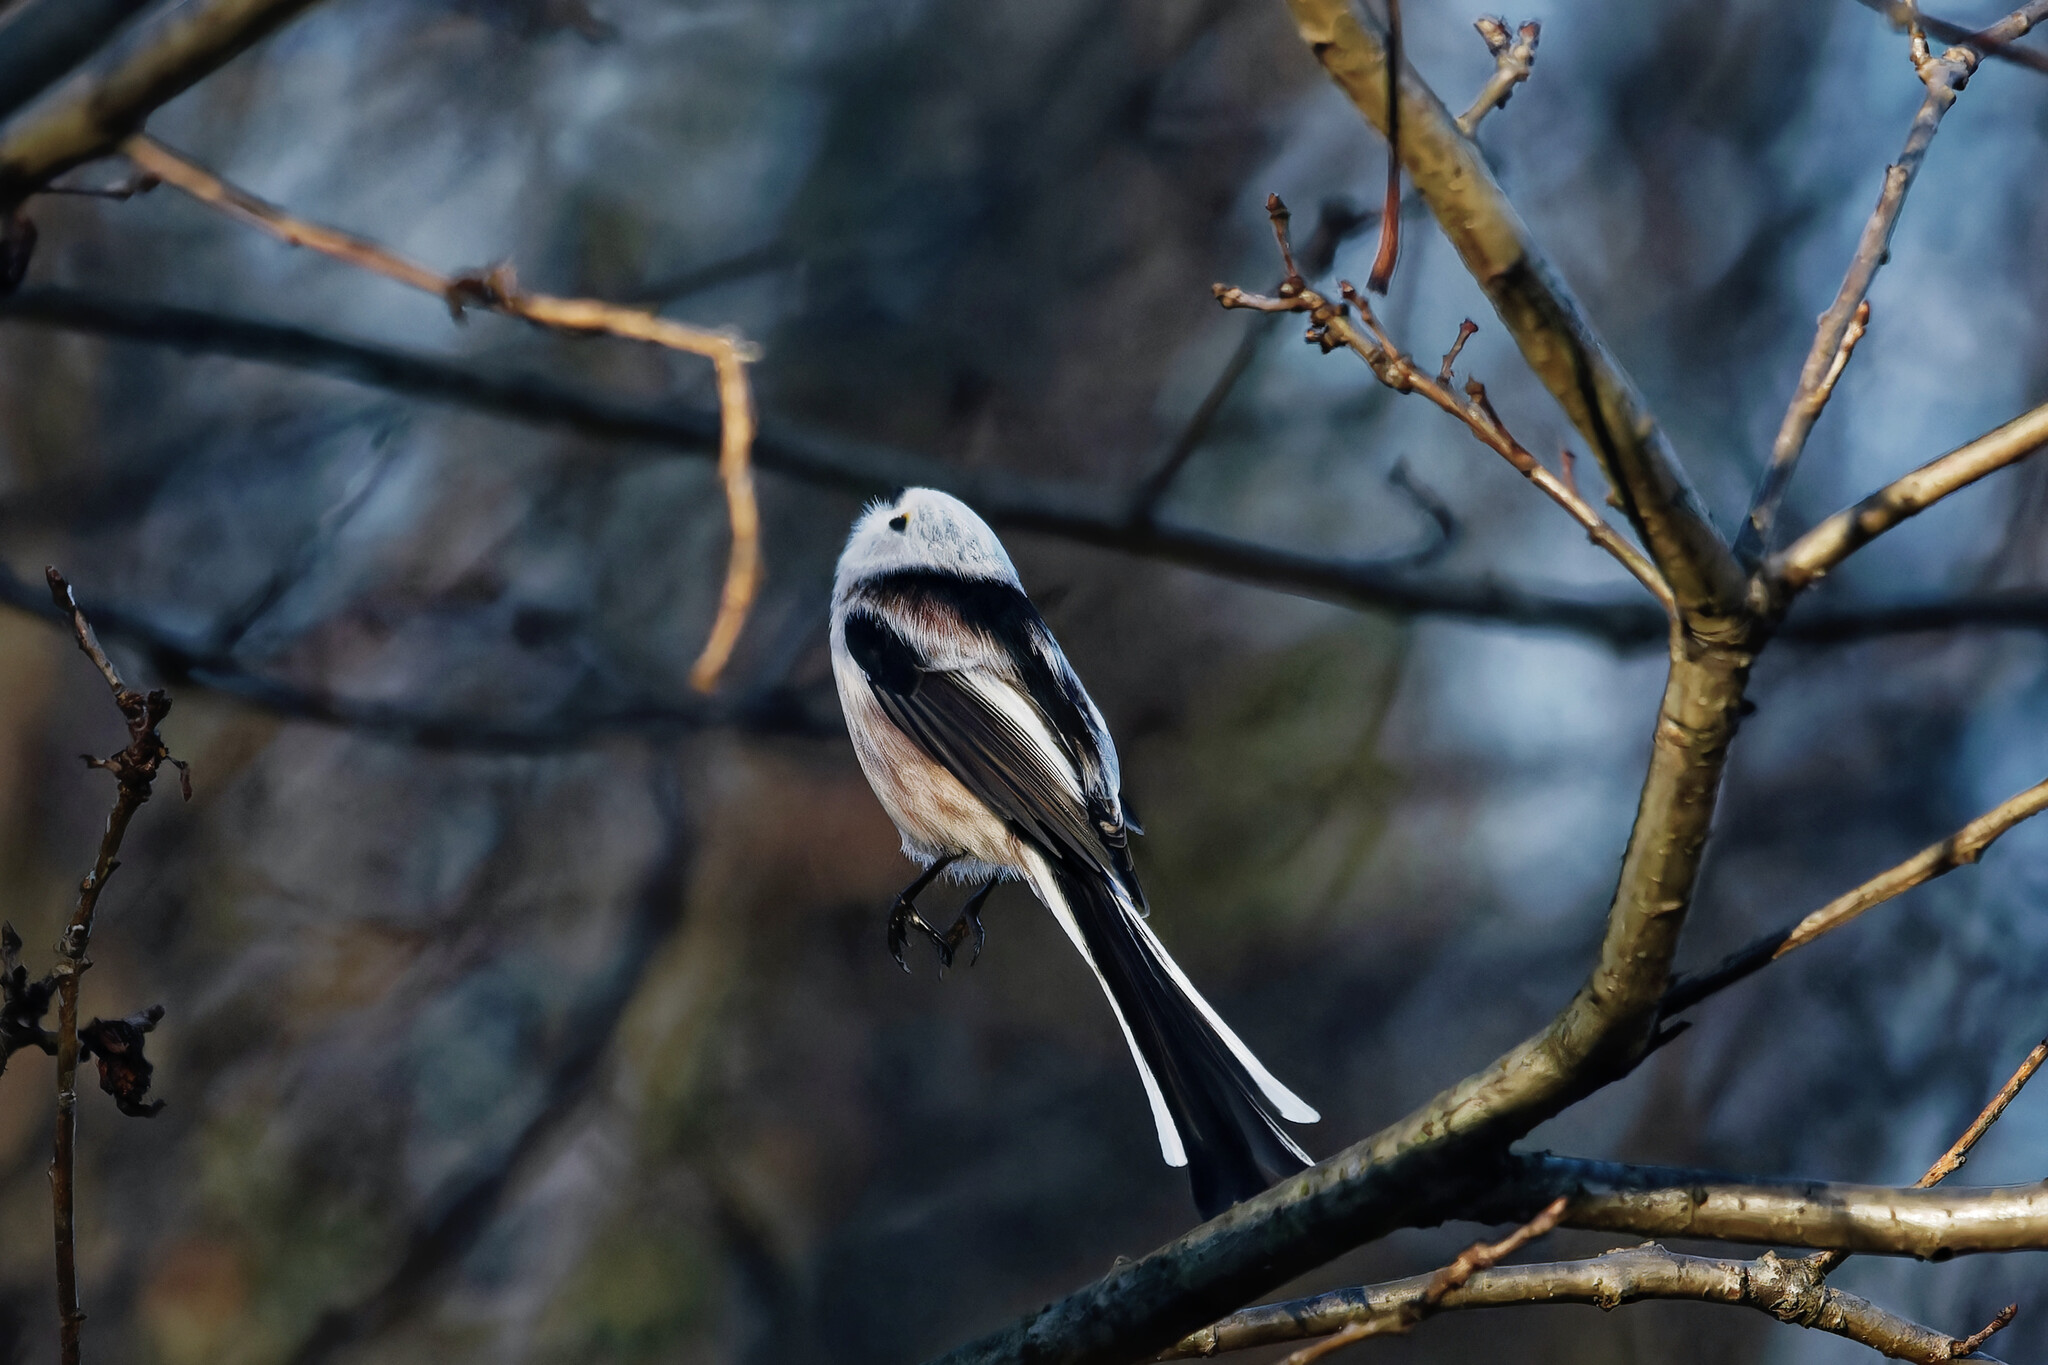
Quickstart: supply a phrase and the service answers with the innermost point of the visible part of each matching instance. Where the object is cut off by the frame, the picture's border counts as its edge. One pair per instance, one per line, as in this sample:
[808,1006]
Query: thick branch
[89,115]
[40,40]
[1539,311]
[1770,1284]
[1960,849]
[1656,1201]
[1841,535]
[1842,323]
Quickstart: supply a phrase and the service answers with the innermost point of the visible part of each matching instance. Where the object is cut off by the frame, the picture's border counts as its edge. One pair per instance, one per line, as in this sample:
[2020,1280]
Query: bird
[985,749]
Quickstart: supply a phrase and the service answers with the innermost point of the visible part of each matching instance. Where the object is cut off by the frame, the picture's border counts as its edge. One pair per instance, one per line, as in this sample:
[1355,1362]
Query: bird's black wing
[1013,758]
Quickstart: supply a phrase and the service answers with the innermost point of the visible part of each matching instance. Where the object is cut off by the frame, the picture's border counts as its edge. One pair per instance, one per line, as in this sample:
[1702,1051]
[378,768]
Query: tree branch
[1841,535]
[1656,1201]
[499,291]
[1960,849]
[1995,41]
[40,40]
[1514,57]
[1539,312]
[1783,1288]
[135,770]
[89,115]
[1842,324]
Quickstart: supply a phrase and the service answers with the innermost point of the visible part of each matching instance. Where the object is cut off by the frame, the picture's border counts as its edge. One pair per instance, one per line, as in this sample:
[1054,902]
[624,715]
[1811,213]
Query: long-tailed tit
[987,752]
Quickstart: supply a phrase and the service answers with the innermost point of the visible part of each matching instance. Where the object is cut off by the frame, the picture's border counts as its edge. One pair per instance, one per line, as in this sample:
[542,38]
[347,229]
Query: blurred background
[539,1015]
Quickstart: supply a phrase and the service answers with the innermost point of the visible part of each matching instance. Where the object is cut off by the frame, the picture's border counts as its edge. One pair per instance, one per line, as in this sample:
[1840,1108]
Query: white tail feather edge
[1042,882]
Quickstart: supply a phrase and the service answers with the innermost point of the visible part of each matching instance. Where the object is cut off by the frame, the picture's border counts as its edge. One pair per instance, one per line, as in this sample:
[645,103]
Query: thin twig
[1513,59]
[1825,1263]
[1330,327]
[1835,337]
[1996,41]
[1841,535]
[499,291]
[1770,1284]
[1389,254]
[1960,849]
[135,770]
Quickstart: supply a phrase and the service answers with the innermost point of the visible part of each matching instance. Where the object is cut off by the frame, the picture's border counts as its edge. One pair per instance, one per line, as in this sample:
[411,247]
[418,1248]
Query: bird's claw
[903,917]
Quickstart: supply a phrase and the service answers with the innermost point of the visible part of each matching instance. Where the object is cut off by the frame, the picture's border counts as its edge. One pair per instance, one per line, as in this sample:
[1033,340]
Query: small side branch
[1960,849]
[135,771]
[1843,322]
[1514,57]
[1331,327]
[498,291]
[1824,547]
[1771,1284]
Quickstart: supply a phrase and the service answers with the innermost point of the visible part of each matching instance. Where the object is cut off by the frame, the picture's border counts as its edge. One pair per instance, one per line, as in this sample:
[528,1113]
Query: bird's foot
[968,923]
[903,917]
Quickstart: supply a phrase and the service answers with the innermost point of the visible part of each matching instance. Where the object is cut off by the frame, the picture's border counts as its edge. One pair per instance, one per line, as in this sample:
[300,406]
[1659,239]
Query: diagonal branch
[1960,849]
[1996,41]
[88,115]
[40,40]
[1539,312]
[1771,1284]
[1841,535]
[1841,325]
[498,291]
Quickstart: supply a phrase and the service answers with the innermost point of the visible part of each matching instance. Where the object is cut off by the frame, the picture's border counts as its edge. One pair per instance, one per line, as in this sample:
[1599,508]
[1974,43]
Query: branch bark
[1841,325]
[1656,1201]
[1960,849]
[1823,548]
[40,40]
[89,115]
[1540,313]
[1782,1288]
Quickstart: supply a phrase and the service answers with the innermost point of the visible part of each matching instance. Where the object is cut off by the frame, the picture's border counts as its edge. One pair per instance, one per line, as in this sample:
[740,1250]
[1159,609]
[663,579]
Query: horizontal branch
[1960,849]
[1841,535]
[1067,510]
[1782,1288]
[1656,1201]
[90,114]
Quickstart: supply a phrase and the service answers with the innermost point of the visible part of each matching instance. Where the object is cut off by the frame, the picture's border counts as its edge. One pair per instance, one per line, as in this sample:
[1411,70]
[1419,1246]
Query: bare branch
[1960,849]
[1330,328]
[1771,1284]
[40,40]
[1655,1201]
[89,115]
[1389,253]
[135,770]
[1538,311]
[499,291]
[1996,41]
[1513,59]
[1842,323]
[1841,535]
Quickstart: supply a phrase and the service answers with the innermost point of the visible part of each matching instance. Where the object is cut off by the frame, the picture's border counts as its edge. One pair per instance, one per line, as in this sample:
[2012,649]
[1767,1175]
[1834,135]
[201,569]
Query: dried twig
[135,771]
[1389,253]
[1514,57]
[1771,1284]
[1840,326]
[498,291]
[1996,41]
[1330,327]
[1960,849]
[1841,535]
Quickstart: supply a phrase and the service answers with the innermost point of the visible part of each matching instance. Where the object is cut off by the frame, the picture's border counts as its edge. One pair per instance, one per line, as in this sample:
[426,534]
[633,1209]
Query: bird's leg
[969,922]
[903,916]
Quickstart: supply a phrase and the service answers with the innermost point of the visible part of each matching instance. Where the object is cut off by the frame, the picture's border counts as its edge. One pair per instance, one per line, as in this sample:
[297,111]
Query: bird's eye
[900,522]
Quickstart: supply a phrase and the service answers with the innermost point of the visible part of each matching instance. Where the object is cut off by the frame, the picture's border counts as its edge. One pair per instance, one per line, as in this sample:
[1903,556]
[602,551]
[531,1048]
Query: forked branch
[498,291]
[1330,327]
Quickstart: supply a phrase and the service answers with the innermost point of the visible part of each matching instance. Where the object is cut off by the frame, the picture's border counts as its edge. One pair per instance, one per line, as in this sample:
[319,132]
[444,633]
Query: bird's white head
[921,528]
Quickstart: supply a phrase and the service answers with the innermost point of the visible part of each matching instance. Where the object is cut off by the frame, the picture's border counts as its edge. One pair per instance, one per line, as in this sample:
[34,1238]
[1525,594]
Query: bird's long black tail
[1218,1110]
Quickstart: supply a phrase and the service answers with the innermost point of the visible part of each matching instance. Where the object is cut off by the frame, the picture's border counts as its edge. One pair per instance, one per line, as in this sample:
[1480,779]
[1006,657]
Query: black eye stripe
[899,522]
